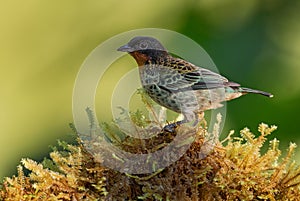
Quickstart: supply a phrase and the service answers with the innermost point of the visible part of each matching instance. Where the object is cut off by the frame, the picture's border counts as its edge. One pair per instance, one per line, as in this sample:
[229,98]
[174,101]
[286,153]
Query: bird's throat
[140,58]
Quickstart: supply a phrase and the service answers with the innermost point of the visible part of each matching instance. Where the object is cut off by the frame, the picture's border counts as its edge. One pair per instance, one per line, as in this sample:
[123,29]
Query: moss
[235,169]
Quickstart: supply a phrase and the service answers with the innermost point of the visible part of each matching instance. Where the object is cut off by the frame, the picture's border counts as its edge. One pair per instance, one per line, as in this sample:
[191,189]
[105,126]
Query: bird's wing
[177,74]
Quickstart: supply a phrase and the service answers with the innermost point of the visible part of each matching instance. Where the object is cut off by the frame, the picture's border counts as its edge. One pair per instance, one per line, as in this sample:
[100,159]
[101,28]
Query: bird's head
[143,48]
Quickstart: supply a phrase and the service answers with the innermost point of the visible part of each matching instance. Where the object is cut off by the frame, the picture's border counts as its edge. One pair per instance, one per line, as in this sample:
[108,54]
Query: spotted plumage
[178,84]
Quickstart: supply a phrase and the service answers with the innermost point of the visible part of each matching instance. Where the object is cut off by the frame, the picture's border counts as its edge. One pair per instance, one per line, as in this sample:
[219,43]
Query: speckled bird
[178,84]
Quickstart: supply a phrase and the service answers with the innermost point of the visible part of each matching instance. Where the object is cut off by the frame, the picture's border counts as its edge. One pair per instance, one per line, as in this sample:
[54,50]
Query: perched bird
[178,84]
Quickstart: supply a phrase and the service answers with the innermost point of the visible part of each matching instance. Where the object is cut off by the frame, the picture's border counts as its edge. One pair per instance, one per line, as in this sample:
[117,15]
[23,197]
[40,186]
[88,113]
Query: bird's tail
[247,90]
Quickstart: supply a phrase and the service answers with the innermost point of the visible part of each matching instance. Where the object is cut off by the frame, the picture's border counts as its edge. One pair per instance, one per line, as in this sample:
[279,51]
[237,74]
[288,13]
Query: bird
[179,85]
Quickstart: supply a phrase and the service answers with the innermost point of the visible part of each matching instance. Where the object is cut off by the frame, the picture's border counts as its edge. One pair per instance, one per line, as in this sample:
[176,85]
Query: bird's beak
[125,48]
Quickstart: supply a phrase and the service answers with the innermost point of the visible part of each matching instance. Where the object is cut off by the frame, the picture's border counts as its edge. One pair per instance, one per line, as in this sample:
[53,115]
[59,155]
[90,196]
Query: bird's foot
[171,127]
[193,122]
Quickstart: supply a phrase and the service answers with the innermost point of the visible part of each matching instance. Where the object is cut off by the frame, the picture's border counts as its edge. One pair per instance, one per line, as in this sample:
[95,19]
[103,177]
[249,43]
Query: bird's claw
[171,127]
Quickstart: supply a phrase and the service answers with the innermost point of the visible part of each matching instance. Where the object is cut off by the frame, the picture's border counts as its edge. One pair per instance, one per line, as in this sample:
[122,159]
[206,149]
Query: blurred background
[43,44]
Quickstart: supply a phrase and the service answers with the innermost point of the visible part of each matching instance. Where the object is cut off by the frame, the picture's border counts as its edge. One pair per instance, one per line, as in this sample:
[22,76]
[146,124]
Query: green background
[43,44]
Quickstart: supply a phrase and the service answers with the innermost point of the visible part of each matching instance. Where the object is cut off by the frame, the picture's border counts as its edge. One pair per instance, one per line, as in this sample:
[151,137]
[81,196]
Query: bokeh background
[43,44]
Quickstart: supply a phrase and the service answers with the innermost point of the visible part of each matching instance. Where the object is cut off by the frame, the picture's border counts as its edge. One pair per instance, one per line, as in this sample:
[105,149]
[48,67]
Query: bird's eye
[143,45]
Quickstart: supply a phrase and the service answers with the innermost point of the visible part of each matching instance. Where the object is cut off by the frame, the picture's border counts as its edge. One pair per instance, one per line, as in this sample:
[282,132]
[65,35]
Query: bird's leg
[200,118]
[171,127]
[193,118]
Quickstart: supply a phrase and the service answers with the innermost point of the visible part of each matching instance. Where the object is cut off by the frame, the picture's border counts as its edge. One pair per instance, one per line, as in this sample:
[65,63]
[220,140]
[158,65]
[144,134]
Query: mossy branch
[235,169]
